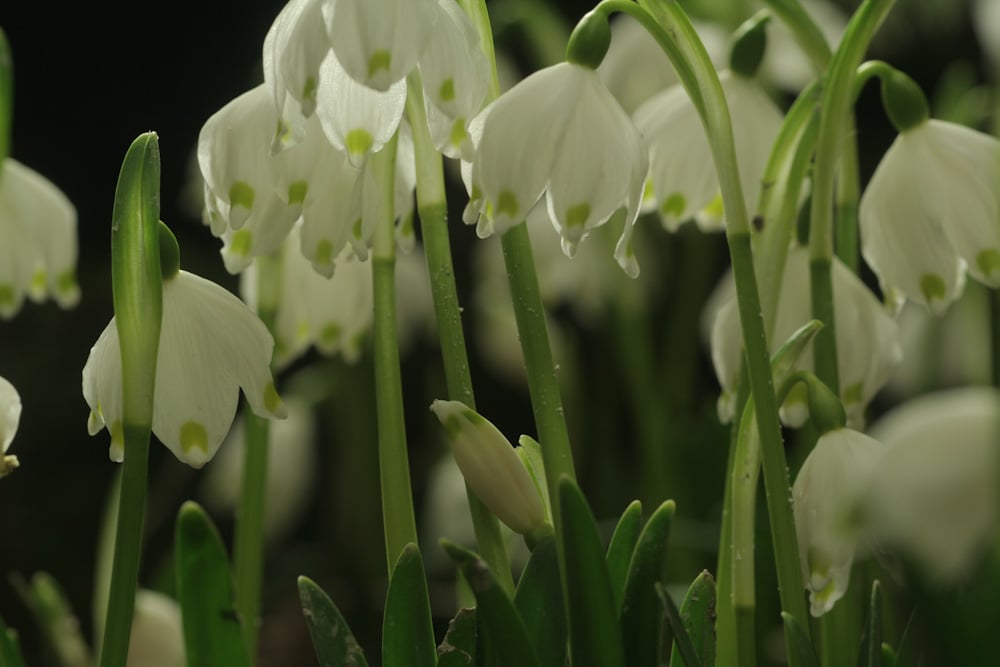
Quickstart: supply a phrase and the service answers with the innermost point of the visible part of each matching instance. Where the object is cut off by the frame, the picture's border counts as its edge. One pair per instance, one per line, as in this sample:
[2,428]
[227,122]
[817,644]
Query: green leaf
[498,618]
[52,611]
[698,617]
[458,649]
[213,634]
[870,651]
[888,656]
[682,640]
[539,602]
[641,618]
[332,638]
[594,633]
[799,642]
[10,650]
[407,628]
[622,545]
[906,651]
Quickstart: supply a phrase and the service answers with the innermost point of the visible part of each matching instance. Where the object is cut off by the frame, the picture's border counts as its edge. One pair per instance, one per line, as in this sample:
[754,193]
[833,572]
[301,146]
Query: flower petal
[102,389]
[10,413]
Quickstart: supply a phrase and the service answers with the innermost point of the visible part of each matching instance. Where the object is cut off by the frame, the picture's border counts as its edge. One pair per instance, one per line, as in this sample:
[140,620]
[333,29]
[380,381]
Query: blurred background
[91,76]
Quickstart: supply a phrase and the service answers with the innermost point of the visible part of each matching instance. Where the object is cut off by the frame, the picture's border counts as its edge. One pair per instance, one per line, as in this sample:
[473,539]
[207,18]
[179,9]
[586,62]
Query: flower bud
[589,41]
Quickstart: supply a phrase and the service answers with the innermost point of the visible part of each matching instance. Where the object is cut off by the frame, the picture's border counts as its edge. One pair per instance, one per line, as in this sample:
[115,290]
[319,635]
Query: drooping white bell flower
[157,635]
[867,339]
[824,495]
[211,346]
[931,211]
[38,245]
[561,133]
[934,492]
[682,182]
[10,416]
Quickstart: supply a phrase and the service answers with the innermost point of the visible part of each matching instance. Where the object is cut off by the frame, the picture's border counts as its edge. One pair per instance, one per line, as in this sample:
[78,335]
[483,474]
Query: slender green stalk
[807,34]
[848,201]
[433,208]
[394,468]
[995,333]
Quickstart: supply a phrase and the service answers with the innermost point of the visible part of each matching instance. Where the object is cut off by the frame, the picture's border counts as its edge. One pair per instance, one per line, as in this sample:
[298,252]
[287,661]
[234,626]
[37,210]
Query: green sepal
[458,648]
[170,252]
[594,632]
[903,100]
[675,626]
[539,602]
[589,41]
[135,275]
[332,638]
[798,641]
[641,622]
[749,43]
[407,627]
[698,618]
[826,411]
[10,648]
[870,650]
[6,96]
[496,614]
[213,632]
[621,547]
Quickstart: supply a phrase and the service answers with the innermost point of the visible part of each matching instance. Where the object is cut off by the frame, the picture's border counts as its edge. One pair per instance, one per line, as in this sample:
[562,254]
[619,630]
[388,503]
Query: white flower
[157,637]
[38,246]
[931,211]
[211,345]
[934,493]
[10,416]
[560,132]
[823,496]
[867,338]
[682,182]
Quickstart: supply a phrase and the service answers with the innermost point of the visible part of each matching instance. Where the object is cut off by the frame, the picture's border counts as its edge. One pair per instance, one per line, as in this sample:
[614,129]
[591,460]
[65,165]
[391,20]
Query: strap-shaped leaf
[641,619]
[870,651]
[10,650]
[698,618]
[799,642]
[458,649]
[212,631]
[682,640]
[594,634]
[622,545]
[497,616]
[906,650]
[407,628]
[332,638]
[539,602]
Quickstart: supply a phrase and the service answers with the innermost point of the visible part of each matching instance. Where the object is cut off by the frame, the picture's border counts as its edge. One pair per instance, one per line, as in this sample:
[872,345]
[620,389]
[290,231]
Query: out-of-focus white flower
[867,339]
[559,132]
[682,182]
[986,22]
[784,64]
[933,493]
[10,416]
[291,470]
[38,245]
[157,638]
[823,498]
[931,211]
[211,345]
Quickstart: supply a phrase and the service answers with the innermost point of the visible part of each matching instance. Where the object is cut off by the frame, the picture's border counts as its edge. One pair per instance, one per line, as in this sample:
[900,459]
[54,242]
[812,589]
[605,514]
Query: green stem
[128,547]
[848,201]
[394,470]
[807,34]
[433,208]
[995,331]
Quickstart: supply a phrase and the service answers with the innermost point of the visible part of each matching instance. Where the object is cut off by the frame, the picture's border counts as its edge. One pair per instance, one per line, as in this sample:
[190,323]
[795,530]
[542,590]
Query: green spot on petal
[271,399]
[477,192]
[297,192]
[853,393]
[446,93]
[241,194]
[647,191]
[6,295]
[117,441]
[359,142]
[356,228]
[380,60]
[933,287]
[457,137]
[324,253]
[331,334]
[576,216]
[194,436]
[309,89]
[674,206]
[507,205]
[66,282]
[241,243]
[988,262]
[38,281]
[714,208]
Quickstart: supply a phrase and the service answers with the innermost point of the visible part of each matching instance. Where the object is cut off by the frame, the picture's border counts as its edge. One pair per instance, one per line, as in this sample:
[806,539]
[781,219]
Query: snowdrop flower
[10,416]
[682,183]
[38,246]
[823,496]
[559,132]
[934,494]
[211,345]
[867,339]
[931,212]
[157,637]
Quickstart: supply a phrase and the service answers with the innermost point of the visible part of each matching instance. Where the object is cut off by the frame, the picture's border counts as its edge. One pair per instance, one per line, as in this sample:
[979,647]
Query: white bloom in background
[561,133]
[10,416]
[291,470]
[867,339]
[931,212]
[211,345]
[682,182]
[157,638]
[38,245]
[933,494]
[824,495]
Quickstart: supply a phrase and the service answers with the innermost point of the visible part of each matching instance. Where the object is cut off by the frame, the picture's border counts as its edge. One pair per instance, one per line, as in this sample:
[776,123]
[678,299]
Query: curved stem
[807,34]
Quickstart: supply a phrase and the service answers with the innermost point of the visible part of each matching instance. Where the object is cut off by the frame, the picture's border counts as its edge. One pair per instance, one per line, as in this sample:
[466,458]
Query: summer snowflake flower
[682,182]
[211,345]
[931,212]
[38,246]
[10,416]
[559,132]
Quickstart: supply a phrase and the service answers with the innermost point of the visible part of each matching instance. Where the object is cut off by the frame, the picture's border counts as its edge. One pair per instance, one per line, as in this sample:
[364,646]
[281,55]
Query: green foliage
[458,649]
[539,602]
[641,623]
[332,639]
[407,629]
[698,617]
[622,545]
